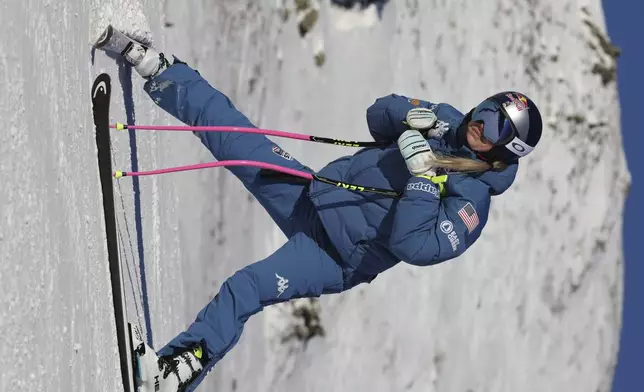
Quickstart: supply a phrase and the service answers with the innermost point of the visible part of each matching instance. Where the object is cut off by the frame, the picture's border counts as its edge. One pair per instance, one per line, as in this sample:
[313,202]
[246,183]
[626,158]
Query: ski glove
[424,120]
[421,118]
[417,153]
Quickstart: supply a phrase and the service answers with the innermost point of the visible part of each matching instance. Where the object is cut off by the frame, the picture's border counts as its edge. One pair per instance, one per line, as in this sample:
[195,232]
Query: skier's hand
[421,118]
[417,153]
[425,121]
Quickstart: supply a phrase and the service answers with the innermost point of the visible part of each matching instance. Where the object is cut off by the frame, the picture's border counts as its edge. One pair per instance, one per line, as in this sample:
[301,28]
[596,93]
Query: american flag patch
[469,216]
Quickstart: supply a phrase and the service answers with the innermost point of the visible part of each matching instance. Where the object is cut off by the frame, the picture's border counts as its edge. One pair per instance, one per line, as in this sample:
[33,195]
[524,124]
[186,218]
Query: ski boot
[145,60]
[172,373]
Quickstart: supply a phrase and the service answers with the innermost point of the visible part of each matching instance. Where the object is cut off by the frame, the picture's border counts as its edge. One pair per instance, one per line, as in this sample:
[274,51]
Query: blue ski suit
[337,238]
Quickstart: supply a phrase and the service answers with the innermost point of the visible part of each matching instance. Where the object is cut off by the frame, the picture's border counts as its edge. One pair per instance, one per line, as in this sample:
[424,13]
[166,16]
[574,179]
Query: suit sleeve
[386,117]
[428,230]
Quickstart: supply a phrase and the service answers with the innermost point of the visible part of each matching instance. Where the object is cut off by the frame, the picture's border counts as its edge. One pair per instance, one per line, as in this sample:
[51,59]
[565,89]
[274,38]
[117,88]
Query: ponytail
[466,165]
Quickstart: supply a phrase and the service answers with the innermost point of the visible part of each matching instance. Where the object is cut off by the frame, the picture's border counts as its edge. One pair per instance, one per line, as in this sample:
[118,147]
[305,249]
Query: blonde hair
[466,165]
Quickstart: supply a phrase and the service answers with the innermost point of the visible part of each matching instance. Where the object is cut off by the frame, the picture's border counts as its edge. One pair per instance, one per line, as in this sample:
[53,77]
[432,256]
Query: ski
[101,92]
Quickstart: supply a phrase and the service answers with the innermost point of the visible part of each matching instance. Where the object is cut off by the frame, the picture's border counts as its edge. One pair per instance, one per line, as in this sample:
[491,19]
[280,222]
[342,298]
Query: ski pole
[265,167]
[268,132]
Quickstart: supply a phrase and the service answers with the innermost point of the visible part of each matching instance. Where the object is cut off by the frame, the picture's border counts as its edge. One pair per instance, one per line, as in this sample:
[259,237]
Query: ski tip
[101,88]
[121,126]
[119,174]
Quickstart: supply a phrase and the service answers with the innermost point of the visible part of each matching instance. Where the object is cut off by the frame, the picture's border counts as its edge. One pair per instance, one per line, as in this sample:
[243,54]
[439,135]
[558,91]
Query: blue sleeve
[386,117]
[428,230]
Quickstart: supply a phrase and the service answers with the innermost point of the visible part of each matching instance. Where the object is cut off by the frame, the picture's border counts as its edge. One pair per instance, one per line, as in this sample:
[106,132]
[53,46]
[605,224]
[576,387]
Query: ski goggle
[497,129]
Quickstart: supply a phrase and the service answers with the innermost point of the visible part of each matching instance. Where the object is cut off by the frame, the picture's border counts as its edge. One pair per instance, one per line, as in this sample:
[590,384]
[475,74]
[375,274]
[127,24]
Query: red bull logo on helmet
[519,101]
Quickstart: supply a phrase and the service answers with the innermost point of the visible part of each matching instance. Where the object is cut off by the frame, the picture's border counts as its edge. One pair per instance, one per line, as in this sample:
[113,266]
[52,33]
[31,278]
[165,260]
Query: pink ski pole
[261,165]
[268,132]
[268,167]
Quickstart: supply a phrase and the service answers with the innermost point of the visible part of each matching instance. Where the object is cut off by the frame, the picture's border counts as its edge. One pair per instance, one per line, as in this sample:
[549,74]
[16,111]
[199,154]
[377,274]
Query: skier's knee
[240,281]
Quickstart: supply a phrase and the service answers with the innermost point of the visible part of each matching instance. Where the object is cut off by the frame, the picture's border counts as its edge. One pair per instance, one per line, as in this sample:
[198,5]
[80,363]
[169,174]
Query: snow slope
[534,305]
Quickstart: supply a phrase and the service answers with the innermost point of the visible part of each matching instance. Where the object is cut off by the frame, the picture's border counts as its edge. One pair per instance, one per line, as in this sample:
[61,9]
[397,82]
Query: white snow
[535,305]
[346,20]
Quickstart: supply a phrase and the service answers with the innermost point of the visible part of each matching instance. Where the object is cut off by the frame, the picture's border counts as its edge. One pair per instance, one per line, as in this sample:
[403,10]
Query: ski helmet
[512,122]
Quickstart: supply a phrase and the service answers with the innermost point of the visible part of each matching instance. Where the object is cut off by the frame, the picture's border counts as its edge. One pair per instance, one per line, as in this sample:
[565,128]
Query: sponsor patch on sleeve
[282,153]
[447,227]
[424,187]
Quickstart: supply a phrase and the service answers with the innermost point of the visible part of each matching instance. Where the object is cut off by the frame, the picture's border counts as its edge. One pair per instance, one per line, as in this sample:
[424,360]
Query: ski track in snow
[535,305]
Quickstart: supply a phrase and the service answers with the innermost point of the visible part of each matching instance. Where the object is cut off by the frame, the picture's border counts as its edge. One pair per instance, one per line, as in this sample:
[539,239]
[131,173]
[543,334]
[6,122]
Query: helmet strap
[500,153]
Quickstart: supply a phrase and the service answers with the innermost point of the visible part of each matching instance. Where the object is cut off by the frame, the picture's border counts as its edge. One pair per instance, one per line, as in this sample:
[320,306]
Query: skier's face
[475,138]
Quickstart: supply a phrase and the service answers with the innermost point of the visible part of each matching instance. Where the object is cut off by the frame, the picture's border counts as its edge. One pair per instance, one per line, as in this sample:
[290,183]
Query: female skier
[446,165]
